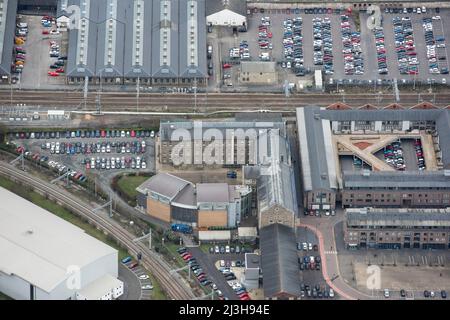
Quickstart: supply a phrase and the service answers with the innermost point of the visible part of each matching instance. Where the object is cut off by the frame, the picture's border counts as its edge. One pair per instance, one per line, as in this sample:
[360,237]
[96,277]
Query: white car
[309,246]
[222,263]
[214,286]
[386,293]
[305,246]
[147,287]
[144,277]
[227,249]
[331,293]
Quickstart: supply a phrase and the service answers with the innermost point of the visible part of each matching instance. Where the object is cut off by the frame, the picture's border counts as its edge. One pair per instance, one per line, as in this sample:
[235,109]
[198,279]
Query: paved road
[207,261]
[132,288]
[327,248]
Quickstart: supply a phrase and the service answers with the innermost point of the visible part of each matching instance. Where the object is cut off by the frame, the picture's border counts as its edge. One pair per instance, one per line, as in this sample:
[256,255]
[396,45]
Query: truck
[183,228]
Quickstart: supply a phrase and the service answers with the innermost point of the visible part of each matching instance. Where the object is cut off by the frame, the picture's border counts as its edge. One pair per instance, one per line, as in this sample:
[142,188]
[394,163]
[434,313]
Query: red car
[245,298]
[187,257]
[133,133]
[226,66]
[53,74]
[60,70]
[45,31]
[103,133]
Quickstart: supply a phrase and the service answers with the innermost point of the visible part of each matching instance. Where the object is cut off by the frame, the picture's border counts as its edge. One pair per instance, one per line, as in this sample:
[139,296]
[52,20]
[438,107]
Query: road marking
[330,252]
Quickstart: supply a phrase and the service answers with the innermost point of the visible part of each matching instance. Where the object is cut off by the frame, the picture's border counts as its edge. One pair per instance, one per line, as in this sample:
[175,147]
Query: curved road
[175,286]
[330,263]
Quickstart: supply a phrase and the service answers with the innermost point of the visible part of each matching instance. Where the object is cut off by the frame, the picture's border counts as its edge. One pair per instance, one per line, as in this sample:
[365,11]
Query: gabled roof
[237,6]
[279,264]
[164,184]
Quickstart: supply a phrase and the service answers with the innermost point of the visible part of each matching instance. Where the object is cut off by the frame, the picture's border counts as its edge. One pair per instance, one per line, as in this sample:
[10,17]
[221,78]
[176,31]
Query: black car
[402,293]
[444,294]
[426,294]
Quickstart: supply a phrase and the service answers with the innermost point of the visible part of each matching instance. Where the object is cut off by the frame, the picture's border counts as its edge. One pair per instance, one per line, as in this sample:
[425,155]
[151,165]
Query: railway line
[113,101]
[175,287]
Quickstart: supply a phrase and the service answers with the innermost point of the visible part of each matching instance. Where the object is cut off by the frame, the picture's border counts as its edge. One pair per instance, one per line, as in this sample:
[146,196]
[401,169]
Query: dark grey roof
[398,217]
[163,184]
[397,179]
[279,261]
[380,115]
[252,260]
[316,150]
[186,196]
[443,130]
[38,3]
[237,6]
[150,49]
[212,192]
[9,13]
[277,187]
[251,172]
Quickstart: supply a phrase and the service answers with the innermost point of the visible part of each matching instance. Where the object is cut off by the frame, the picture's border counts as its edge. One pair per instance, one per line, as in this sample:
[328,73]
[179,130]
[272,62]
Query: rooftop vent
[366,173]
[447,173]
[30,231]
[323,176]
[363,211]
[317,116]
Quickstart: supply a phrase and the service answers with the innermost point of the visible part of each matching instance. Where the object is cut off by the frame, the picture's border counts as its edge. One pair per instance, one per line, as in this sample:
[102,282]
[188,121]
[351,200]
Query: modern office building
[158,42]
[397,228]
[171,199]
[47,258]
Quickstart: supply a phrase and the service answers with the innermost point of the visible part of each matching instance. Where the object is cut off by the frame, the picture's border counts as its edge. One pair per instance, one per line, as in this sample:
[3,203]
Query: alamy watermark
[374,19]
[73,281]
[259,145]
[373,281]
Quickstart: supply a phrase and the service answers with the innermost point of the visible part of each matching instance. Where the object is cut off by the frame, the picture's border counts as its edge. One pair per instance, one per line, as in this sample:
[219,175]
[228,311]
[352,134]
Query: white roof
[38,246]
[98,288]
[247,232]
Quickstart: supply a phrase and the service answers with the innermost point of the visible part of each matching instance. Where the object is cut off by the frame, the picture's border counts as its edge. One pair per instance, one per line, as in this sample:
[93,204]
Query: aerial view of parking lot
[224,150]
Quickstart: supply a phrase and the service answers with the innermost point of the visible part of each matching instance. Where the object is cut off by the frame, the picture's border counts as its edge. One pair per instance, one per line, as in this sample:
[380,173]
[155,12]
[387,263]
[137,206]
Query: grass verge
[128,185]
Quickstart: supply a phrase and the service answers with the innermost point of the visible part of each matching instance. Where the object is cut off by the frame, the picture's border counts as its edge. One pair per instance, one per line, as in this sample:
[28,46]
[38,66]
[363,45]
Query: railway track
[149,101]
[175,287]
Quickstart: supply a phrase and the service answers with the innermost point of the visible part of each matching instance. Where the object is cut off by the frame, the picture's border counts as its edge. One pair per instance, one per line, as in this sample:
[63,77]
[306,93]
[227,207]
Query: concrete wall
[158,210]
[212,218]
[276,214]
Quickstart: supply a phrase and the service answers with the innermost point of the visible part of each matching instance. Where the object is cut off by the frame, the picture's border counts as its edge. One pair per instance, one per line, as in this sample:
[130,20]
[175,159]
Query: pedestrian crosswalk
[331,252]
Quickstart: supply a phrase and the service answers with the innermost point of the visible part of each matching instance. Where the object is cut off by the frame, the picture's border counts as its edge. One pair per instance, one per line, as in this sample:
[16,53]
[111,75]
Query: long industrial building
[47,258]
[397,228]
[328,136]
[8,12]
[130,41]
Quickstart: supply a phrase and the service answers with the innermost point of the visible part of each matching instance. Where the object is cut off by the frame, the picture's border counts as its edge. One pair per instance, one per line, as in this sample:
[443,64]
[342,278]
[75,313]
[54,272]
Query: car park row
[316,291]
[405,46]
[83,134]
[323,44]
[293,45]
[393,155]
[237,287]
[381,50]
[435,45]
[54,165]
[99,147]
[19,52]
[144,279]
[115,163]
[264,39]
[419,154]
[353,59]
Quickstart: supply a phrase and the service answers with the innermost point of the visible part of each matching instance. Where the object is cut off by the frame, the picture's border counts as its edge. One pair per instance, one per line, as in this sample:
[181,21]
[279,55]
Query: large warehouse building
[348,158]
[152,41]
[8,11]
[47,258]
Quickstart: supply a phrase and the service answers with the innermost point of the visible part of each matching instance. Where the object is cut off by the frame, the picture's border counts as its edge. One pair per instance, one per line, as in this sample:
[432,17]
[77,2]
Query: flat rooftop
[38,246]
